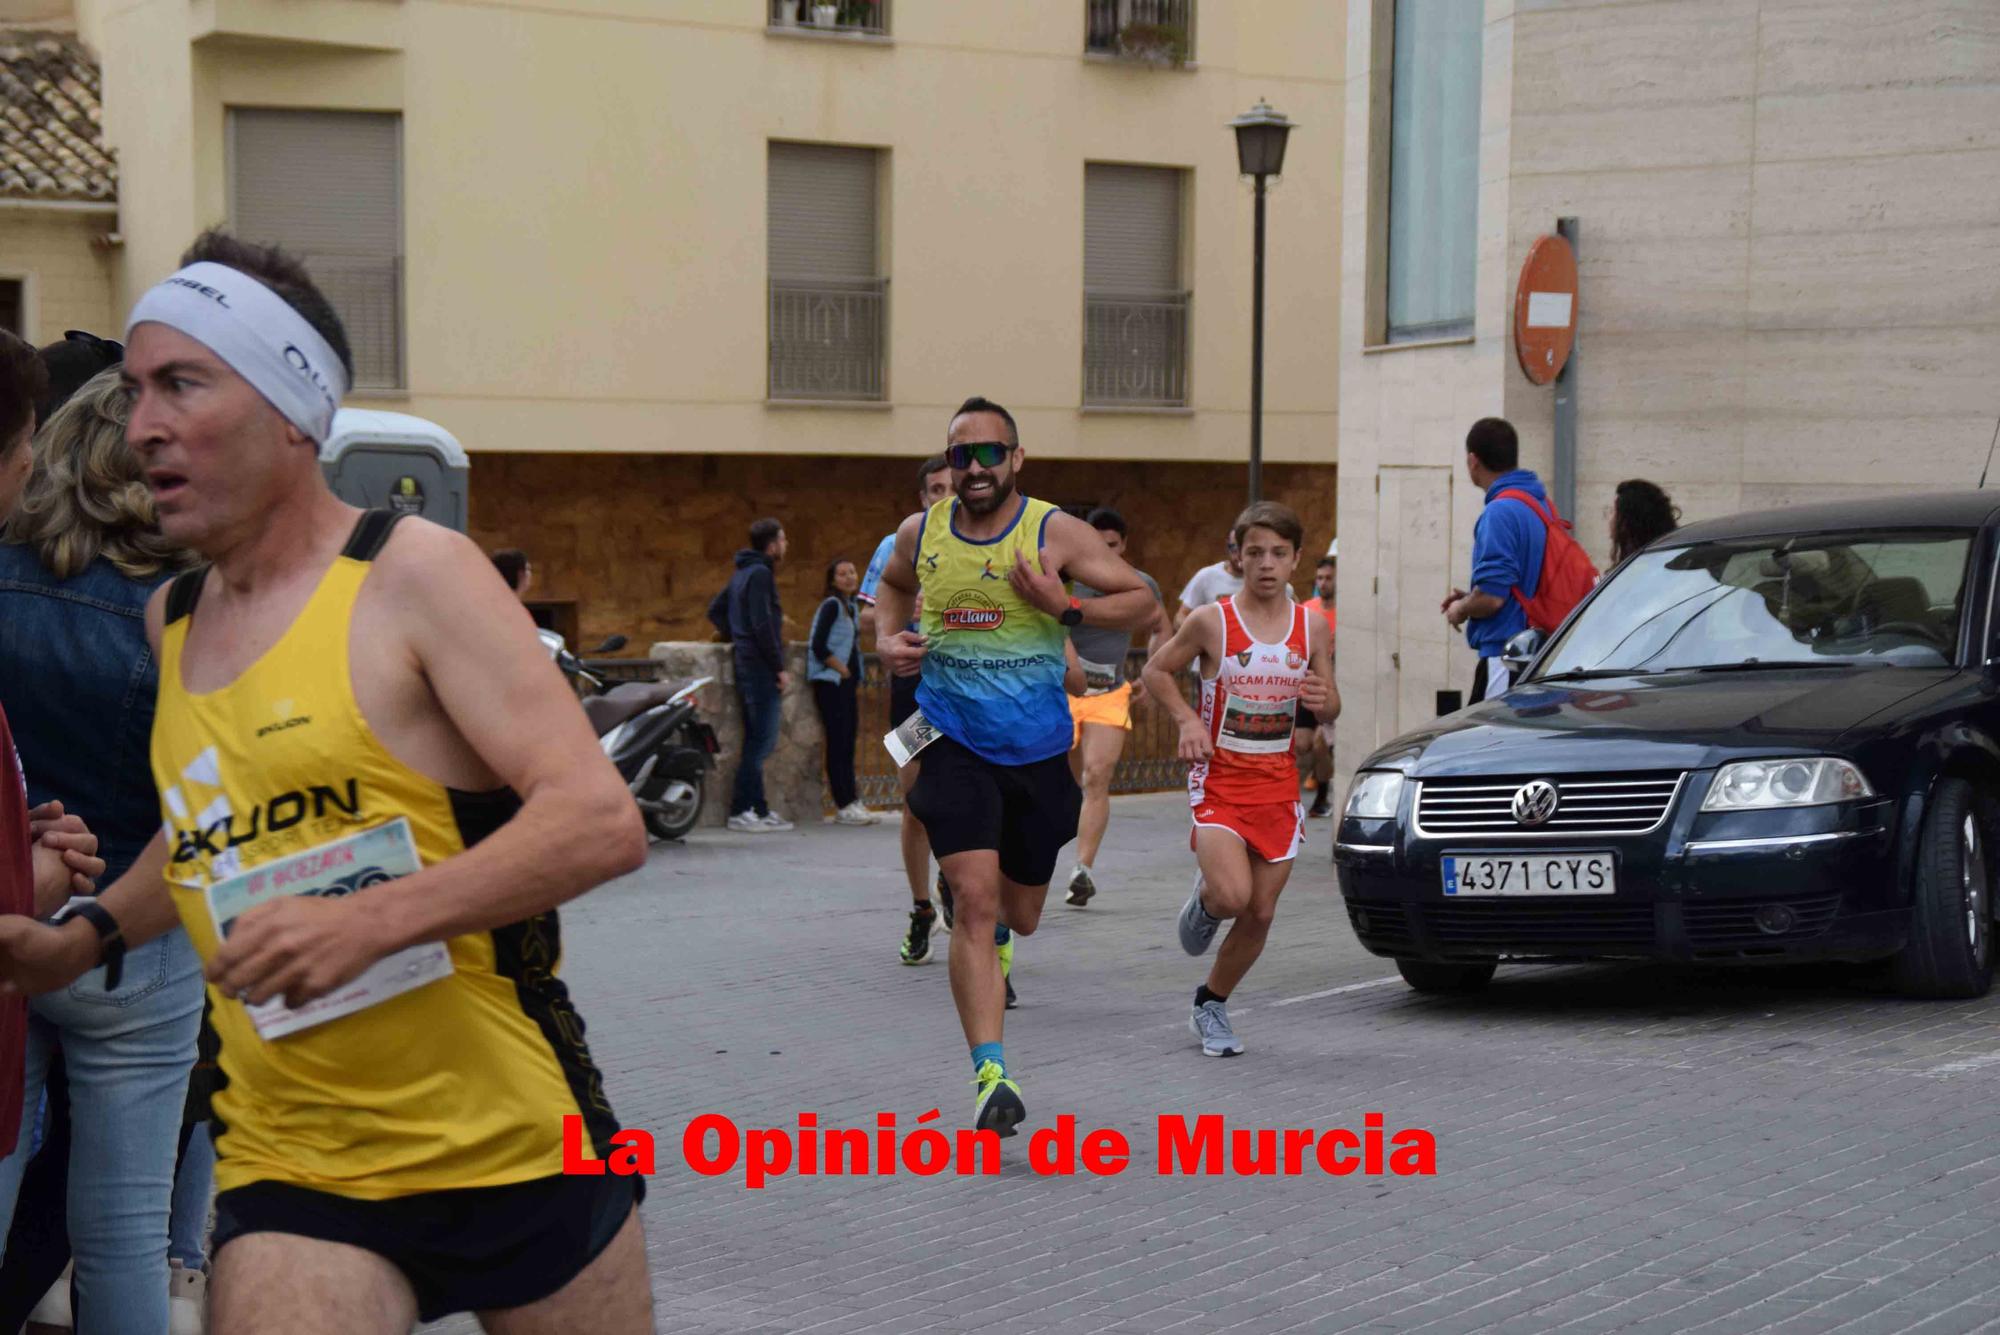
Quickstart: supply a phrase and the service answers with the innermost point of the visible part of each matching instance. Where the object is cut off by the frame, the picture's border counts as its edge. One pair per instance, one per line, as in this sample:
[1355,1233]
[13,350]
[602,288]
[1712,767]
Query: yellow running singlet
[462,1081]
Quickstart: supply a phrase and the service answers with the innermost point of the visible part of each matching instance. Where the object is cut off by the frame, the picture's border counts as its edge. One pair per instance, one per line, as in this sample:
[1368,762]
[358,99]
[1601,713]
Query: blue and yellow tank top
[462,1081]
[993,671]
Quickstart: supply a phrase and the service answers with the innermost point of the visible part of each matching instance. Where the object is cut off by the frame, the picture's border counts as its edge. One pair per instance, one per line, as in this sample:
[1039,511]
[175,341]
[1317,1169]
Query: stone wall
[642,541]
[795,775]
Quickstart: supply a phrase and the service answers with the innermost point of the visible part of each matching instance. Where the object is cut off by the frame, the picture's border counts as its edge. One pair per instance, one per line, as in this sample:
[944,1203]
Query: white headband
[258,334]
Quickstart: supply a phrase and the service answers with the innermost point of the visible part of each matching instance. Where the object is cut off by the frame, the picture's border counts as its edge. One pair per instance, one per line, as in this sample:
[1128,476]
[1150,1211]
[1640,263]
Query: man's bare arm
[901,650]
[576,828]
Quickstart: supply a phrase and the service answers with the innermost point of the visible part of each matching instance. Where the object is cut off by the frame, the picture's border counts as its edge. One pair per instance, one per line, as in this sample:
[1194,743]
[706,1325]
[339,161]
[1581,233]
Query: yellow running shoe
[1006,952]
[998,1108]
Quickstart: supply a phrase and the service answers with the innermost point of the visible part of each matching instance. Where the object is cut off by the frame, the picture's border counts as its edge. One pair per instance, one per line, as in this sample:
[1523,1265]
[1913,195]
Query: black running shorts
[471,1250]
[1304,720]
[1026,813]
[902,698]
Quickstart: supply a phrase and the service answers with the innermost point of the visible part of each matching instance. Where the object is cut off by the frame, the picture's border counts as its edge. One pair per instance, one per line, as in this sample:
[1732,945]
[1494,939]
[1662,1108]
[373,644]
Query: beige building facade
[583,202]
[1789,281]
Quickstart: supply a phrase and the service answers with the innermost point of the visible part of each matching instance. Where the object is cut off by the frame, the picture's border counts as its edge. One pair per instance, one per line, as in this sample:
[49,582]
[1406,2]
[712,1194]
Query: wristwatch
[1073,614]
[109,934]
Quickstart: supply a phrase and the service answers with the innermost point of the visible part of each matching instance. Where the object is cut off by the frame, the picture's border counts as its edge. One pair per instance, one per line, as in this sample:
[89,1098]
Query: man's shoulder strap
[1546,513]
[371,532]
[184,593]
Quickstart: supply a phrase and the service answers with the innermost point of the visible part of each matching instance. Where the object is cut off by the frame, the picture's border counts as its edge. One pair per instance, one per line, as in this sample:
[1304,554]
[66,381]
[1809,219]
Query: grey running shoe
[1197,927]
[1081,888]
[1210,1023]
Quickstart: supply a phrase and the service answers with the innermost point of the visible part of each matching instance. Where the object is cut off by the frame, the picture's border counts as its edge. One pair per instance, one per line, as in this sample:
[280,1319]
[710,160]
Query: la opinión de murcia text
[713,1145]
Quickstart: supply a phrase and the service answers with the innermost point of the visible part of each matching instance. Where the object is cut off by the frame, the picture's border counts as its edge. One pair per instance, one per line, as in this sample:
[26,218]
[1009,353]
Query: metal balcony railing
[1158,31]
[828,338]
[1135,350]
[367,294]
[857,16]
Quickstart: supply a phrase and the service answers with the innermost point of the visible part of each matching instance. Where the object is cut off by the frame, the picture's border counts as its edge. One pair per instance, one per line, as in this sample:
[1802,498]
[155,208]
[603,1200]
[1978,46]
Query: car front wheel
[1433,977]
[1950,953]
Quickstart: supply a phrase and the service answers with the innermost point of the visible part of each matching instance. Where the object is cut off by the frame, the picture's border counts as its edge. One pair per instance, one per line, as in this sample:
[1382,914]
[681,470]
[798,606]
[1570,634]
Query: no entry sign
[1545,309]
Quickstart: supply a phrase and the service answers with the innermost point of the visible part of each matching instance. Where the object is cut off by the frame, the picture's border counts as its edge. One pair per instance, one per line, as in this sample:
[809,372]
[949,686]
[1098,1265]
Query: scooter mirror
[611,645]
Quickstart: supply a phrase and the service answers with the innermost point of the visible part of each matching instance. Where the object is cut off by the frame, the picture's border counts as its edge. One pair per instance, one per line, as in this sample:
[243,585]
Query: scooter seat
[625,701]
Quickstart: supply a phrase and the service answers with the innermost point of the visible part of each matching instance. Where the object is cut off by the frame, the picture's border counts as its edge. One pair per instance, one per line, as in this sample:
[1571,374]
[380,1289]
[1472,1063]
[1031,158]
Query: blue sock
[1001,936]
[987,1052]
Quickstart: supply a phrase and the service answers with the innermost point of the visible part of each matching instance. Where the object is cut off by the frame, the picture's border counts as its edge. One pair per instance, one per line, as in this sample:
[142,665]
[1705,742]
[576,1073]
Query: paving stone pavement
[1619,1147]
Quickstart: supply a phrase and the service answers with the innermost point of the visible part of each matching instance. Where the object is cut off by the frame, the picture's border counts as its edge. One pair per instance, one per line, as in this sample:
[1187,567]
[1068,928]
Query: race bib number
[910,736]
[1256,726]
[1098,677]
[331,871]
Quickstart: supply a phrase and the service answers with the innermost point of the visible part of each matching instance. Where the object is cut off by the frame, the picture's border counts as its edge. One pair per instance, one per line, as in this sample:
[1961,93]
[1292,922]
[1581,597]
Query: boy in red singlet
[1262,656]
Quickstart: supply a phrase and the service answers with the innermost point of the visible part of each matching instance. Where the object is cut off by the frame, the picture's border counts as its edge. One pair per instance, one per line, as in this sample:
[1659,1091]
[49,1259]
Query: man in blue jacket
[1507,545]
[756,631]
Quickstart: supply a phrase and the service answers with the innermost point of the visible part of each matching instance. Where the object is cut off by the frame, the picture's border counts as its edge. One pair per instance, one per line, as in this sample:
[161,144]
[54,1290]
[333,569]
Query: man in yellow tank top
[376,791]
[991,734]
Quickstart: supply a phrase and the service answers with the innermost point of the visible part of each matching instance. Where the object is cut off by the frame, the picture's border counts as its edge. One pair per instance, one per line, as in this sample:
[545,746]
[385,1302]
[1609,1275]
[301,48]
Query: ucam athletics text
[1201,1144]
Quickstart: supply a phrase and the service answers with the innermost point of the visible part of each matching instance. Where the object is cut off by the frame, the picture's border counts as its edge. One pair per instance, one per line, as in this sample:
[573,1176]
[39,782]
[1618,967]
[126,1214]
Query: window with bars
[327,186]
[828,298]
[1135,304]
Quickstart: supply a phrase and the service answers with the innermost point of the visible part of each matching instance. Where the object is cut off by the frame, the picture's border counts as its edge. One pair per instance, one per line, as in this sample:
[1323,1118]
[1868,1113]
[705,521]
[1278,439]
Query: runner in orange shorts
[1102,716]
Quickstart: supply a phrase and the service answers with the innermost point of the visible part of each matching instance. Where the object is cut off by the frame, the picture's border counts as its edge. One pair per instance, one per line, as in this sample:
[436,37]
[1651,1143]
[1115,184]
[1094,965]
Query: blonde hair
[88,497]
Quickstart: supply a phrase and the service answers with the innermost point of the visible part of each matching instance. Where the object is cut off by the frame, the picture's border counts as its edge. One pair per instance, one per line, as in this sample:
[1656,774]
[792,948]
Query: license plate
[1534,874]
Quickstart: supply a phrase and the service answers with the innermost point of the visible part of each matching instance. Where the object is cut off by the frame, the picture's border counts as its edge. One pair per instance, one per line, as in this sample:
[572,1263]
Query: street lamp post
[1260,152]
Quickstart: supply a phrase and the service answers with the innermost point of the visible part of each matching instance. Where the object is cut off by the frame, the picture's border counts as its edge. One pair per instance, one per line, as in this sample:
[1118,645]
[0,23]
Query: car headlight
[1753,785]
[1375,794]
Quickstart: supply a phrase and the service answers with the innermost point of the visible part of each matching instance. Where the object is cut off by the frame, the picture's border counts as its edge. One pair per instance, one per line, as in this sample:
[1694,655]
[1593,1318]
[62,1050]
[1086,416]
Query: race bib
[910,736]
[344,867]
[1256,726]
[1098,677]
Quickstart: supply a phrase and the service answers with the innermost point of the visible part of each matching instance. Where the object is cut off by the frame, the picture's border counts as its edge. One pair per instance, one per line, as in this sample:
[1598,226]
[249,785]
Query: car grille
[1733,926]
[1587,806]
[1530,926]
[1382,927]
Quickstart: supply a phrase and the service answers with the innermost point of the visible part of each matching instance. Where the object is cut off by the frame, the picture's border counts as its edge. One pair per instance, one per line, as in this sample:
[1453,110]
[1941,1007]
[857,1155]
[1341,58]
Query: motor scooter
[653,733]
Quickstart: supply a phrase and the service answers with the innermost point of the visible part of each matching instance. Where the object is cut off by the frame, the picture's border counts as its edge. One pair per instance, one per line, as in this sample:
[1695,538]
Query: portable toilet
[393,461]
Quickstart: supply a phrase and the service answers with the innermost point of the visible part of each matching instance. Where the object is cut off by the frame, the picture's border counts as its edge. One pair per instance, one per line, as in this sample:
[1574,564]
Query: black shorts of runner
[1304,720]
[471,1250]
[1026,813]
[902,698]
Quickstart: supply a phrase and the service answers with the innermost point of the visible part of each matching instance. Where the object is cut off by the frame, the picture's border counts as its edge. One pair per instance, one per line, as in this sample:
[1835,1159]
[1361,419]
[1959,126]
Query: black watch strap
[110,936]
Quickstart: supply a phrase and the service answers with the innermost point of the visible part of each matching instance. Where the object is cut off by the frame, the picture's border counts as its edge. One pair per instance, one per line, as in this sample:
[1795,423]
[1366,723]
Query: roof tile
[51,121]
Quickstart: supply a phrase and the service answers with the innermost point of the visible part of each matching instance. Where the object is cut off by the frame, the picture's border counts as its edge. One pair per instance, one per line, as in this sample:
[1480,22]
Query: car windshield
[1819,600]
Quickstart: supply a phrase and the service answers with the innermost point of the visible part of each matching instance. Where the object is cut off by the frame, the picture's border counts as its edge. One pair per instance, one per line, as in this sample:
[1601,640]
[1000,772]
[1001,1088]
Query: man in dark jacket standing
[756,631]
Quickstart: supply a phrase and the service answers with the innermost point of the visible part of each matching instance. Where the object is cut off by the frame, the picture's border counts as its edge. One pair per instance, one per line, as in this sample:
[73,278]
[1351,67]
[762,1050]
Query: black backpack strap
[370,533]
[184,593]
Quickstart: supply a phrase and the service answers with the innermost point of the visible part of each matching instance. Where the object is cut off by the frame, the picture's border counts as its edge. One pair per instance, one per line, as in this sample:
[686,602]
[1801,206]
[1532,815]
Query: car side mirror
[1520,651]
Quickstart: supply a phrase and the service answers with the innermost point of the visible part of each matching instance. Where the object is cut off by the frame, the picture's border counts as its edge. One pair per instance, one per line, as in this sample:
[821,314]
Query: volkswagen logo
[1535,802]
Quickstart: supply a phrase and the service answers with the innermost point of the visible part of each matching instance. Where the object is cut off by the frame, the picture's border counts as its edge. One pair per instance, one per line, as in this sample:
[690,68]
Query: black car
[1772,737]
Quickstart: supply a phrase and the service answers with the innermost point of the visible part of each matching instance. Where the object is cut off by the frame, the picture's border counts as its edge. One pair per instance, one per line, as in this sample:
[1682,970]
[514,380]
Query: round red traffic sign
[1545,309]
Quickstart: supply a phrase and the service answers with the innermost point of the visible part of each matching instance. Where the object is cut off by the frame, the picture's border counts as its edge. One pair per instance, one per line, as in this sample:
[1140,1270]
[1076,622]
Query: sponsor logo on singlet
[272,816]
[972,610]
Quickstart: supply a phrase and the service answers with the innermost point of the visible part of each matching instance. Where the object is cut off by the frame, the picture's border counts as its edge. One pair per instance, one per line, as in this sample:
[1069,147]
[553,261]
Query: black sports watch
[109,934]
[1073,614]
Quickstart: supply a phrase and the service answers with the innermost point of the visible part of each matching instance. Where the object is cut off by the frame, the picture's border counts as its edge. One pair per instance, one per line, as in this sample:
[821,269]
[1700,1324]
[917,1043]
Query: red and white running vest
[1249,707]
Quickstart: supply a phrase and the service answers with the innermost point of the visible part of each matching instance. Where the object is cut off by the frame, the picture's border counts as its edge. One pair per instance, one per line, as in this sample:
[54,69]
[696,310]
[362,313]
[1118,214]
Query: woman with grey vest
[835,673]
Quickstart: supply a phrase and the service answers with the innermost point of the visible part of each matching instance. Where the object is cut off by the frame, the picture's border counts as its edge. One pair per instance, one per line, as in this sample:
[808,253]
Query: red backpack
[1567,574]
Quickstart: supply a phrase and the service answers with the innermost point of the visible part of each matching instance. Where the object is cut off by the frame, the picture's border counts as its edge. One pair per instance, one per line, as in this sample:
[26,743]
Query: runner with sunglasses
[991,734]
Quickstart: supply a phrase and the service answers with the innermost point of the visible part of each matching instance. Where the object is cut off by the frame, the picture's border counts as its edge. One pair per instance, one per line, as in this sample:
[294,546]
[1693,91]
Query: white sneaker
[53,1309]
[187,1300]
[748,822]
[856,814]
[771,820]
